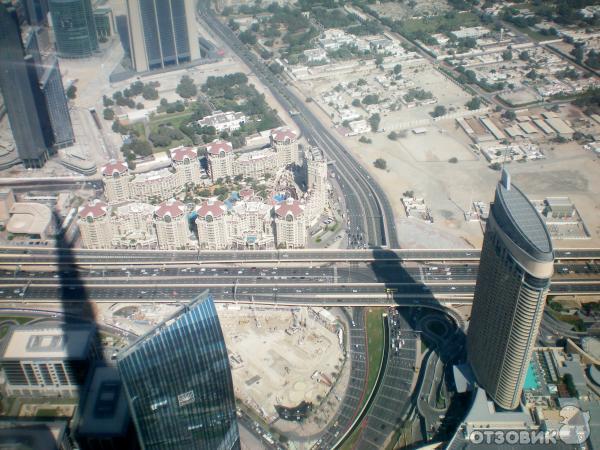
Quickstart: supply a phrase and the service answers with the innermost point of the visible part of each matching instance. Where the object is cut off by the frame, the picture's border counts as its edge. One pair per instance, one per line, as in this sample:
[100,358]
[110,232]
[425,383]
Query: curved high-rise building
[178,383]
[517,261]
[74,28]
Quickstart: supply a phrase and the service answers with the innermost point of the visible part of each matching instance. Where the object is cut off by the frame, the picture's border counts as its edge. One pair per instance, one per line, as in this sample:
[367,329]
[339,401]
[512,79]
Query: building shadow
[78,314]
[413,290]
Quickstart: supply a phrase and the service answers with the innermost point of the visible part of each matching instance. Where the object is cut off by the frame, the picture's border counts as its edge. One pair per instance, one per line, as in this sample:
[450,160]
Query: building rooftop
[32,434]
[114,167]
[216,147]
[519,219]
[181,153]
[282,134]
[213,208]
[105,411]
[289,206]
[171,207]
[39,342]
[94,209]
[29,218]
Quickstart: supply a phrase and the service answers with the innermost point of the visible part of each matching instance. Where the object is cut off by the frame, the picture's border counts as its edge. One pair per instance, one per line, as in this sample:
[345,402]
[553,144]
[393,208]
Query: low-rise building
[40,360]
[290,224]
[220,159]
[133,226]
[171,222]
[251,225]
[223,121]
[31,220]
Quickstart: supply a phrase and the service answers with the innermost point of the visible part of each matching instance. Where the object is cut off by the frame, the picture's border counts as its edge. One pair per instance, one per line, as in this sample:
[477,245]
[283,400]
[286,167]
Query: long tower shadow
[78,312]
[417,305]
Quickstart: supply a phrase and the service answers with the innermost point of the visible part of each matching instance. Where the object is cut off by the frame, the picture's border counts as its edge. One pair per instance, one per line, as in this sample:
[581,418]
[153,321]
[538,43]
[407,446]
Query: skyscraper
[18,83]
[178,383]
[74,27]
[36,11]
[161,33]
[56,104]
[517,261]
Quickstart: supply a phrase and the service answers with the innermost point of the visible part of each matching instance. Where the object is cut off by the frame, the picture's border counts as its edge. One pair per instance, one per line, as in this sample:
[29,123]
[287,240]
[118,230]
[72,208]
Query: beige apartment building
[171,222]
[213,224]
[285,143]
[220,160]
[115,177]
[95,226]
[290,224]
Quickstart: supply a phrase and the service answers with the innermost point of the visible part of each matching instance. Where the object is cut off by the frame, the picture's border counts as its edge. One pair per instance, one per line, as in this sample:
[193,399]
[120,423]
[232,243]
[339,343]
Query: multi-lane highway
[294,284]
[43,255]
[370,214]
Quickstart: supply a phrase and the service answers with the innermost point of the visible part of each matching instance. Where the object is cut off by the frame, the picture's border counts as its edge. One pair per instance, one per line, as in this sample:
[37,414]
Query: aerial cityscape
[299,224]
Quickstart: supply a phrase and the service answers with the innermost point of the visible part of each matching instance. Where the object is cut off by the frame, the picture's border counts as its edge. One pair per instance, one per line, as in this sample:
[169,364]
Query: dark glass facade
[74,28]
[36,11]
[57,105]
[178,383]
[165,32]
[20,90]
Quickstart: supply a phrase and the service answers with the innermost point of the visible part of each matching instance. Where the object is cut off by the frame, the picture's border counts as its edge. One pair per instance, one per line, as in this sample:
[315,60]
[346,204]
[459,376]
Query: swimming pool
[531,382]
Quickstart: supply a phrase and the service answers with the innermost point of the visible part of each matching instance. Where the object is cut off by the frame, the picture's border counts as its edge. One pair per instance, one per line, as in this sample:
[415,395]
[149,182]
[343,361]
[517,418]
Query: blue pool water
[531,381]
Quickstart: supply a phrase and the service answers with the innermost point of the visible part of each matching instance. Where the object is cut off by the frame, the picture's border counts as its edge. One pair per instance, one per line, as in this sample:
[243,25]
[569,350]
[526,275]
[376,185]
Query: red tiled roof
[289,206]
[95,208]
[180,153]
[214,208]
[215,147]
[281,134]
[114,166]
[246,193]
[171,207]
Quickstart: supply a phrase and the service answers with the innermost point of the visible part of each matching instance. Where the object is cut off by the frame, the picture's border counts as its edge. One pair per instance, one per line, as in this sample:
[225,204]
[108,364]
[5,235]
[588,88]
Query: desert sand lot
[271,367]
[422,76]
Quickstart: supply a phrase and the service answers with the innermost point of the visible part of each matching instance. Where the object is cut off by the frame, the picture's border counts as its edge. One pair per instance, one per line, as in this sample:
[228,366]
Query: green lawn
[46,412]
[4,330]
[19,319]
[175,119]
[432,24]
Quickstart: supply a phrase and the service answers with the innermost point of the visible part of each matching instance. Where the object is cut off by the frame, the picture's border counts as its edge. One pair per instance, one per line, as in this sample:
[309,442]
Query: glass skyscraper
[74,27]
[21,93]
[178,383]
[162,33]
[517,262]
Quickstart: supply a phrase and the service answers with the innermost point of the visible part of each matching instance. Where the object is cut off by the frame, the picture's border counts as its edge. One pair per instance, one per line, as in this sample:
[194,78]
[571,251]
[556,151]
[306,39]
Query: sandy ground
[277,368]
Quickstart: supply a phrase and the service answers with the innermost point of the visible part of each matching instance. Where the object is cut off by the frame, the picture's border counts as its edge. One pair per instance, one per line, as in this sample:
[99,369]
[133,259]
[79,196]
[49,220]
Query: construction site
[284,361]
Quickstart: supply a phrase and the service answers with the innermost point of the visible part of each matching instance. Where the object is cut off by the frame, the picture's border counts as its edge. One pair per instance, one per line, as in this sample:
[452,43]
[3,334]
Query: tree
[496,166]
[393,136]
[107,102]
[248,37]
[374,121]
[507,55]
[532,74]
[233,25]
[578,52]
[361,82]
[438,111]
[356,102]
[149,92]
[380,163]
[370,99]
[186,87]
[474,103]
[453,160]
[379,60]
[524,56]
[509,114]
[397,69]
[71,92]
[276,68]
[365,140]
[108,114]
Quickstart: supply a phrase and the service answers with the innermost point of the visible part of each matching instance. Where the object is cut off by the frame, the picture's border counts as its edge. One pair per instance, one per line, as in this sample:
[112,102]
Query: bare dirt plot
[433,146]
[273,367]
[420,8]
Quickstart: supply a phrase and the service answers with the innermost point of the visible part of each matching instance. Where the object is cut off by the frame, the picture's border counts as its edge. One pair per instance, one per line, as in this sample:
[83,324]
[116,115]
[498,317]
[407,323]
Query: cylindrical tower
[517,261]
